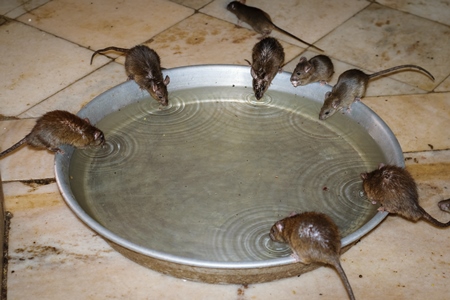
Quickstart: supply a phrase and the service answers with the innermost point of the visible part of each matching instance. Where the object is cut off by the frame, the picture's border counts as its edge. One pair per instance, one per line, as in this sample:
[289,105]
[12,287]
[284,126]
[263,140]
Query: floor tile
[432,10]
[195,4]
[24,163]
[186,43]
[420,122]
[379,38]
[38,75]
[308,20]
[75,96]
[25,6]
[103,23]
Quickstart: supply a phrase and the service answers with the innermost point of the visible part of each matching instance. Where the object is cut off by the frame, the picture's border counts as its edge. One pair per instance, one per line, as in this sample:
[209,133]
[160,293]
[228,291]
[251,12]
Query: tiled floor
[44,61]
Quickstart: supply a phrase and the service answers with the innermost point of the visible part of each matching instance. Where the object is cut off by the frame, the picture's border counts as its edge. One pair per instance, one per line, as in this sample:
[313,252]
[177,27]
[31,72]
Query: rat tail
[293,36]
[14,147]
[123,50]
[401,67]
[432,220]
[344,279]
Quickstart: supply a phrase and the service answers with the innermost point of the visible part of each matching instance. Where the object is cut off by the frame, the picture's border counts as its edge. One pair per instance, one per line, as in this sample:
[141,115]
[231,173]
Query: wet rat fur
[143,65]
[267,61]
[395,189]
[259,20]
[319,68]
[57,128]
[312,237]
[351,86]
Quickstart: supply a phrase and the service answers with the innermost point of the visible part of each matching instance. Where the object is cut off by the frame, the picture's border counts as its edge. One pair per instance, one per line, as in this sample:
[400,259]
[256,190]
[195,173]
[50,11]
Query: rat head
[260,83]
[276,232]
[99,138]
[158,90]
[330,106]
[301,72]
[233,6]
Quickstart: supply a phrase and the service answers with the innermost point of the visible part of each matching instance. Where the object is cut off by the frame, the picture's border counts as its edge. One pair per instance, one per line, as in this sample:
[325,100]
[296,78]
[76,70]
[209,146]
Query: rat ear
[327,94]
[253,73]
[308,68]
[98,134]
[302,59]
[279,226]
[335,103]
[363,176]
[154,87]
[380,166]
[166,80]
[87,120]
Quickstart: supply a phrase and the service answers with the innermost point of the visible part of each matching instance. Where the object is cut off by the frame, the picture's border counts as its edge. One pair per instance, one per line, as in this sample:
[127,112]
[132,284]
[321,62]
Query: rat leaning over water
[267,61]
[351,86]
[396,190]
[312,237]
[57,128]
[259,20]
[143,65]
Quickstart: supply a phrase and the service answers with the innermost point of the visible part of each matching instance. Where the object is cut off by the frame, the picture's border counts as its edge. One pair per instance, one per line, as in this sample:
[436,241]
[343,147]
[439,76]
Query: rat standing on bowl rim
[259,20]
[143,65]
[396,190]
[312,237]
[351,86]
[319,68]
[57,128]
[267,61]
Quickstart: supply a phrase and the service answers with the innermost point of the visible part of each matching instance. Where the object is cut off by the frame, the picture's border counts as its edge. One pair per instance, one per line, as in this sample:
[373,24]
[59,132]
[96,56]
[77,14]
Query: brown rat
[351,86]
[57,128]
[267,61]
[143,65]
[259,20]
[313,237]
[319,68]
[444,205]
[396,190]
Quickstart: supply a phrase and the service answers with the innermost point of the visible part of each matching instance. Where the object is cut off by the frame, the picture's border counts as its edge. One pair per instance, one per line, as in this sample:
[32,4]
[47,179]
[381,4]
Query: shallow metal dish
[192,190]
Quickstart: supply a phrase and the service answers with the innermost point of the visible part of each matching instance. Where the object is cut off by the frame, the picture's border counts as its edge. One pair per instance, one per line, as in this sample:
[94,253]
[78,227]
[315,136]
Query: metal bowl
[192,189]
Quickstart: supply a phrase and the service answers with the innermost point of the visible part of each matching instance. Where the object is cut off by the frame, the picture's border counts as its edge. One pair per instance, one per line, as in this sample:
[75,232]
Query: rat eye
[298,73]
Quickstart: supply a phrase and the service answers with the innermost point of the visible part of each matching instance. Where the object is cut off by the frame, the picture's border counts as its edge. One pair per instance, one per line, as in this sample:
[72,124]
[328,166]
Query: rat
[267,61]
[143,65]
[319,68]
[312,237]
[259,20]
[351,86]
[396,190]
[57,128]
[444,205]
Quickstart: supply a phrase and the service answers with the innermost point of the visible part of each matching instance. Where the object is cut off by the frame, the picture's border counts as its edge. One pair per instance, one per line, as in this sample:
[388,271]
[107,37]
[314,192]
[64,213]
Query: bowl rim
[61,168]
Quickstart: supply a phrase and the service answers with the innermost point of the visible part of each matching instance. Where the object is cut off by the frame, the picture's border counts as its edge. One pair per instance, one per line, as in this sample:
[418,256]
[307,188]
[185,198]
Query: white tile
[102,23]
[416,120]
[36,72]
[379,38]
[432,10]
[308,20]
[77,95]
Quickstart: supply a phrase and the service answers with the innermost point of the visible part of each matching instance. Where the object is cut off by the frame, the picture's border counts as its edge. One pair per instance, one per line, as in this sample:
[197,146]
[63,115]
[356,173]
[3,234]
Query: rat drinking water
[267,61]
[396,190]
[259,20]
[312,237]
[319,68]
[143,65]
[57,128]
[351,86]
